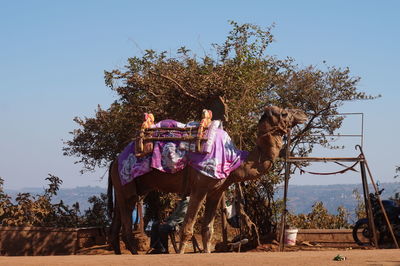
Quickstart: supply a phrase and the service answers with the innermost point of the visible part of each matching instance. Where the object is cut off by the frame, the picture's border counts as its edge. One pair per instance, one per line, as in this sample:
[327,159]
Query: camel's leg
[196,199]
[126,218]
[207,227]
[115,229]
[125,202]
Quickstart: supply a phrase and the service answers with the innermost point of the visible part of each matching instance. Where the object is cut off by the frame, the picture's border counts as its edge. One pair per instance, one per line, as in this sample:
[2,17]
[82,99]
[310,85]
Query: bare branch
[176,83]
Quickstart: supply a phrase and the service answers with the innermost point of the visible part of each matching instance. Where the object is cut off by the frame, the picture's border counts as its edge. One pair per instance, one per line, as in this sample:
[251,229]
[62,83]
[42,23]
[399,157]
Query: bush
[38,210]
[319,218]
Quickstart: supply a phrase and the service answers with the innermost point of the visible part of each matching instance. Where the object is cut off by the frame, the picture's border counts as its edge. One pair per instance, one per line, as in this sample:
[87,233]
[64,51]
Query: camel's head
[274,123]
[278,121]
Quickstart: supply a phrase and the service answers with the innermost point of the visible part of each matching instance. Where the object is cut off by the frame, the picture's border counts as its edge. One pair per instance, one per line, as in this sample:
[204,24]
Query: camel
[272,126]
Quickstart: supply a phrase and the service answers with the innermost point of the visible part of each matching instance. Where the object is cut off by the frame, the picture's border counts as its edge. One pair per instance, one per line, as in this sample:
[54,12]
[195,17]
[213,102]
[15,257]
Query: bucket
[290,237]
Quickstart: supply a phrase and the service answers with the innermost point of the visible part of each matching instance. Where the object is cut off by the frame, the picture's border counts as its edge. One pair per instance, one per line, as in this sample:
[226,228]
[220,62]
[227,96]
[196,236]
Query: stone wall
[21,241]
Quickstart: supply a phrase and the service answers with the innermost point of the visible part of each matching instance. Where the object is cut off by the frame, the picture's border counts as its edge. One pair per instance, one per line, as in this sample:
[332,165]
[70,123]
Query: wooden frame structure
[363,166]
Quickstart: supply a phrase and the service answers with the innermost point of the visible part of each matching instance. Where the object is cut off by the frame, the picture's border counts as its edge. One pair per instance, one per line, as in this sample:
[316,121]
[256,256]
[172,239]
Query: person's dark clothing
[160,231]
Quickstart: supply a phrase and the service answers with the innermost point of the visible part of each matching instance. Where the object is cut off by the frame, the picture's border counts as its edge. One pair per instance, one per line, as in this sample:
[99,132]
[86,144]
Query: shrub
[38,210]
[319,218]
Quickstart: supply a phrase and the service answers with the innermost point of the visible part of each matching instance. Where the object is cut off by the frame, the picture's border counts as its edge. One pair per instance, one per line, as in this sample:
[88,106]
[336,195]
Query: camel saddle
[193,136]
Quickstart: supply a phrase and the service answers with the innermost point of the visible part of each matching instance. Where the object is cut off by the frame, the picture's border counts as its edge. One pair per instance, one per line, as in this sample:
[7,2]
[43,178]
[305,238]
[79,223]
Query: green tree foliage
[38,210]
[360,208]
[319,218]
[178,86]
[97,214]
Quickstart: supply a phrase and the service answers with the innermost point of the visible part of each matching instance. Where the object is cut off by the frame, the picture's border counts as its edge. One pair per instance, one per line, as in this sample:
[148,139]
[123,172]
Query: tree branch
[176,83]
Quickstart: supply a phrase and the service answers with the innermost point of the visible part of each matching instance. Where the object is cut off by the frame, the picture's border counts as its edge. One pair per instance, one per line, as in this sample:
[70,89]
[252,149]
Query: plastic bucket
[290,237]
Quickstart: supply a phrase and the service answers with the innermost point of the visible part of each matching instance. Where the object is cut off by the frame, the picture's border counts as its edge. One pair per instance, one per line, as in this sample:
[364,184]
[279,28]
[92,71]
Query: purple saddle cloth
[220,158]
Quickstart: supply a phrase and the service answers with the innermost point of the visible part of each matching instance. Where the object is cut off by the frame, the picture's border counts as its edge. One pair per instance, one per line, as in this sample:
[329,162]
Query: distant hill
[68,195]
[301,197]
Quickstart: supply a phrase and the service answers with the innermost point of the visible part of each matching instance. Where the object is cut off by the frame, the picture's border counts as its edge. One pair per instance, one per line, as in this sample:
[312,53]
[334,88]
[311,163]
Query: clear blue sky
[53,54]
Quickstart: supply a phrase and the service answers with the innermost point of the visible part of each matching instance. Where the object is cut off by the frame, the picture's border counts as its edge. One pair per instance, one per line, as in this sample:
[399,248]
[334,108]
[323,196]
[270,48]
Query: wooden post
[284,211]
[239,198]
[368,207]
[140,213]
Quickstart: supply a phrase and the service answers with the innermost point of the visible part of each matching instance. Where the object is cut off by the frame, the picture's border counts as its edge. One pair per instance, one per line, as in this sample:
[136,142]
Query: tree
[319,218]
[178,86]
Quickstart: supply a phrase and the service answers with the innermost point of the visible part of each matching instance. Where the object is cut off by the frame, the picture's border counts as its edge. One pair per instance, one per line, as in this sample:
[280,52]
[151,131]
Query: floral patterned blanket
[220,158]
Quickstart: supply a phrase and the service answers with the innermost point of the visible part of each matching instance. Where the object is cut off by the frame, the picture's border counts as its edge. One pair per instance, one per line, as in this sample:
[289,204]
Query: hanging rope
[350,168]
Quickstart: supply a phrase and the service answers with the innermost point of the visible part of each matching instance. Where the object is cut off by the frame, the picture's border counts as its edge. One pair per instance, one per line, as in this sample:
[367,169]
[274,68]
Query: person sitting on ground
[161,230]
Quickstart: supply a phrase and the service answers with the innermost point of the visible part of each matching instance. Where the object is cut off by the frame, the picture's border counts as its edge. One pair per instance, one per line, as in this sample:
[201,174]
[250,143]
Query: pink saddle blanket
[221,158]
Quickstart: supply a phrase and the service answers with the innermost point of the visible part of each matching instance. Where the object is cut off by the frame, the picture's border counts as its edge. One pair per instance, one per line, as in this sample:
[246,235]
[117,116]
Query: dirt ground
[353,257]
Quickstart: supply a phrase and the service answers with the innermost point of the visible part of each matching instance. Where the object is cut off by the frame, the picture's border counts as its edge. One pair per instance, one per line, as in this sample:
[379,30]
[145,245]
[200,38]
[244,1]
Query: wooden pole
[368,207]
[140,213]
[239,198]
[286,187]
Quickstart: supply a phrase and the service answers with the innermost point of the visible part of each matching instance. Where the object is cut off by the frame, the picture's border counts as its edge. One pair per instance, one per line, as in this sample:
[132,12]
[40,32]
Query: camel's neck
[259,161]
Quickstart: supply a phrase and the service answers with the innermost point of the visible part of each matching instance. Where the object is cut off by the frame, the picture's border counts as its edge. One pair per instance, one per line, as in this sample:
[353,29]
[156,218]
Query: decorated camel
[273,124]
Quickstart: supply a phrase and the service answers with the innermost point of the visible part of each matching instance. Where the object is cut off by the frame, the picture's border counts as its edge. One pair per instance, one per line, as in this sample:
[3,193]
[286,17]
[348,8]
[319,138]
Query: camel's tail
[110,199]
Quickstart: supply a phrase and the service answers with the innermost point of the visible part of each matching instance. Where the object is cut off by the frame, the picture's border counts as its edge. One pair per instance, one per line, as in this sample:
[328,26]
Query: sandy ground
[353,257]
